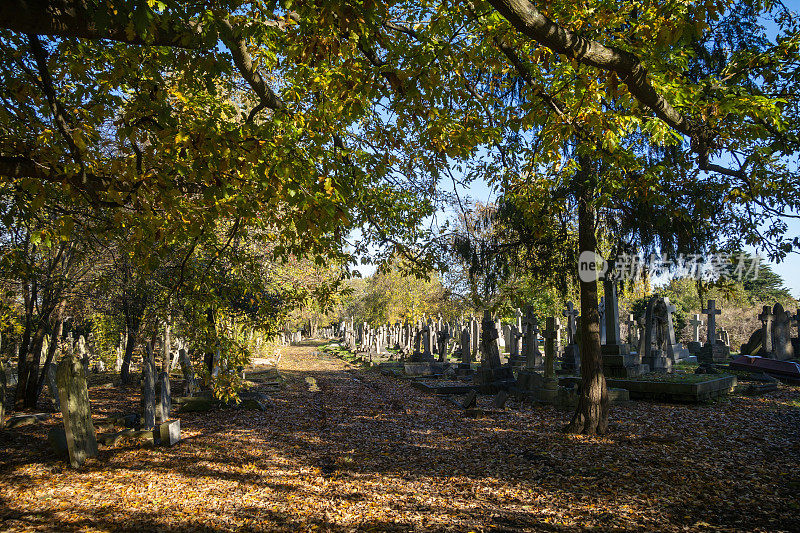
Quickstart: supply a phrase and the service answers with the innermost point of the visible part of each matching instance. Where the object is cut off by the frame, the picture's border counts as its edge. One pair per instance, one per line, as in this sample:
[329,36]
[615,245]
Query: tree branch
[529,21]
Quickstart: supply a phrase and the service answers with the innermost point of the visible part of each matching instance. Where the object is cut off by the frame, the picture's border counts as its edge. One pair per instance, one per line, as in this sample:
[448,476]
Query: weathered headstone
[782,334]
[549,390]
[533,357]
[500,400]
[76,410]
[633,338]
[466,349]
[170,432]
[491,373]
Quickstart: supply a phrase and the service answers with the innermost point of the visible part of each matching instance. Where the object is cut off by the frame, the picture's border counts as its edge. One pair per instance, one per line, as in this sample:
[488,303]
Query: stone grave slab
[676,391]
[754,363]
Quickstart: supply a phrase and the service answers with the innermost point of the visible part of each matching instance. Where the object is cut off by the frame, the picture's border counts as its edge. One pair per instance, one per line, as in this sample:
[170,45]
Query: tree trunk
[130,342]
[28,384]
[55,336]
[591,415]
[165,363]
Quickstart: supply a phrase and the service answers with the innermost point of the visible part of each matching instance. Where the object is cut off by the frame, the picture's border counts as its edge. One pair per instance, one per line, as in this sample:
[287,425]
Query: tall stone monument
[76,410]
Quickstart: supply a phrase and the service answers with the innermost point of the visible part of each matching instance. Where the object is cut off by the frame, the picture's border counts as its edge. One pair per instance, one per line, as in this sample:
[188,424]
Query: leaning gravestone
[76,411]
[170,432]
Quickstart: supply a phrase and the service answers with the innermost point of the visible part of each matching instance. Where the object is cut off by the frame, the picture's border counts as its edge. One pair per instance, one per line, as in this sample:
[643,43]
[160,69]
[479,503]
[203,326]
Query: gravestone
[609,321]
[170,432]
[533,357]
[443,337]
[655,356]
[549,390]
[189,379]
[782,334]
[423,340]
[675,349]
[515,358]
[618,361]
[500,400]
[474,337]
[76,410]
[712,351]
[491,373]
[572,358]
[633,330]
[466,349]
[695,345]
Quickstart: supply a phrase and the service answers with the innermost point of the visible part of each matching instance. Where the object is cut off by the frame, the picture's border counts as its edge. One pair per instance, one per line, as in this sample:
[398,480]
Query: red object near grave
[754,363]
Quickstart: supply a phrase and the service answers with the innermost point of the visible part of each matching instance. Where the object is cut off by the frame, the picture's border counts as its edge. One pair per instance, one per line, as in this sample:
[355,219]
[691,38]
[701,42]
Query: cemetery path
[342,448]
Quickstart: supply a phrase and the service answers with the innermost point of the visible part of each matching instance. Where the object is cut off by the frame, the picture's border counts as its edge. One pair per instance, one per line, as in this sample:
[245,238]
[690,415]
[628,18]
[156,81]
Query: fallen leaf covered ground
[345,449]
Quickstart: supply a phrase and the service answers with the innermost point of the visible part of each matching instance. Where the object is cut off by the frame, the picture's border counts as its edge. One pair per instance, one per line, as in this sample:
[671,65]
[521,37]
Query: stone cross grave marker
[550,333]
[766,318]
[782,334]
[630,323]
[695,322]
[712,313]
[571,314]
[533,357]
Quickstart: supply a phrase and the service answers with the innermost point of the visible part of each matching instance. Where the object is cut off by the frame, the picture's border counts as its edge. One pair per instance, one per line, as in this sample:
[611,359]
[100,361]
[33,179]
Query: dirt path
[345,449]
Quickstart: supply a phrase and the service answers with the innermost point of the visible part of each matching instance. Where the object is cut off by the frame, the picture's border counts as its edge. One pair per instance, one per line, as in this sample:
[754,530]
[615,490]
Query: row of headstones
[425,338]
[287,338]
[652,337]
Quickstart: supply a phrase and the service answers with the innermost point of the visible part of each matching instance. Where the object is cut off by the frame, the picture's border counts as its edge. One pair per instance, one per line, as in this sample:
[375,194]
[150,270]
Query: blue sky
[788,269]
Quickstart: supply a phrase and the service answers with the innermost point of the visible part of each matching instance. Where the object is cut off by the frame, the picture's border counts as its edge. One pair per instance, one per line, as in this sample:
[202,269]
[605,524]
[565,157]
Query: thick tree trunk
[27,387]
[591,415]
[130,342]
